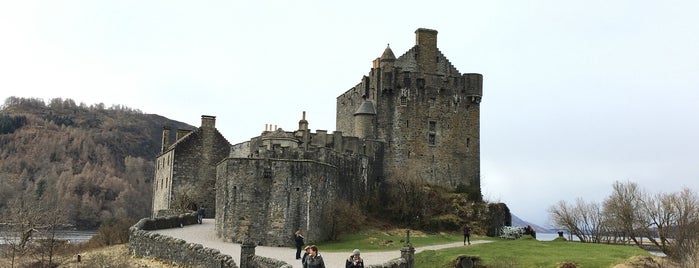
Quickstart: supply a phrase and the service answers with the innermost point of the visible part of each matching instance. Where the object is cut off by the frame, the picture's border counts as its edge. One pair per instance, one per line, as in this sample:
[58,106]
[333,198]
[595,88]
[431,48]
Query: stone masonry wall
[151,245]
[267,200]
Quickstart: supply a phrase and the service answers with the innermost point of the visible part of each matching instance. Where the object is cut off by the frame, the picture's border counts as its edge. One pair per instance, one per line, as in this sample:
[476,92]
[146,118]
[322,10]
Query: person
[299,243]
[200,214]
[314,260]
[467,234]
[354,260]
[307,251]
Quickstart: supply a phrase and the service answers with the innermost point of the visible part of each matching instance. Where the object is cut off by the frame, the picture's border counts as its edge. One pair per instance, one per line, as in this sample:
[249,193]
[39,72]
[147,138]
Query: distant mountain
[96,163]
[516,221]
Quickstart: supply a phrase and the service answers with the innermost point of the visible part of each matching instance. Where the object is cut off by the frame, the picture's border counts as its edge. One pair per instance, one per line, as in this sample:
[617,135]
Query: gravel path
[205,234]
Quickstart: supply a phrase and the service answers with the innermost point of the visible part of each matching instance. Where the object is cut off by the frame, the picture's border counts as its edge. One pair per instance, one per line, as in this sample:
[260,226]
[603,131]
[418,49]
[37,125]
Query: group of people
[312,259]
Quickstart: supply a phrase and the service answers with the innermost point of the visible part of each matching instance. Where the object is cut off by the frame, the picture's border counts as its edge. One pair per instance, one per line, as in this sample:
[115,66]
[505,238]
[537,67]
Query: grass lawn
[387,240]
[532,253]
[525,252]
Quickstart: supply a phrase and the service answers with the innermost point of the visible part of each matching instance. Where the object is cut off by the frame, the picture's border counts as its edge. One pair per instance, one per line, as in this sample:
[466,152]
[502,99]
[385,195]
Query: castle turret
[364,120]
[387,58]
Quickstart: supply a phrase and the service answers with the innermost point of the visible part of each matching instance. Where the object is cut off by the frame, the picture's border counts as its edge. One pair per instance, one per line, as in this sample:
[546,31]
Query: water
[72,236]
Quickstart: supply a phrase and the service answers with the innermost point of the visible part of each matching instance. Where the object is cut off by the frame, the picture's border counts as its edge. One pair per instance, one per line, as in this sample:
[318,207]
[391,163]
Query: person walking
[467,234]
[314,260]
[200,214]
[299,243]
[354,260]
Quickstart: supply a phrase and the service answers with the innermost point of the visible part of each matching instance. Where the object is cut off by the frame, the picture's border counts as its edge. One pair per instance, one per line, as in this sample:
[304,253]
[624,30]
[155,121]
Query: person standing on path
[200,214]
[299,243]
[314,260]
[354,260]
[467,234]
[306,252]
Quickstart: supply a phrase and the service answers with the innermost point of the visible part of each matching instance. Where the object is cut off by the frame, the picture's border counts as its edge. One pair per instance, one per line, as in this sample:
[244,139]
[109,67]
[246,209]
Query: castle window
[432,130]
[468,141]
[267,173]
[421,83]
[403,100]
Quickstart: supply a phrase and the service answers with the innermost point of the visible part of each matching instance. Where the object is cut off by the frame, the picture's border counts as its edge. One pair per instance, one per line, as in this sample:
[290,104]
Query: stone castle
[414,116]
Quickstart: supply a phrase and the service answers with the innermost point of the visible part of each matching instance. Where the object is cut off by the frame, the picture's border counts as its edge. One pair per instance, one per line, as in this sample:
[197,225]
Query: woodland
[88,164]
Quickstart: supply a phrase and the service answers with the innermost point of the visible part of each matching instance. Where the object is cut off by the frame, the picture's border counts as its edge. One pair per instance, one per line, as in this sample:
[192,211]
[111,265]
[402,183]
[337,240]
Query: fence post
[247,251]
[407,252]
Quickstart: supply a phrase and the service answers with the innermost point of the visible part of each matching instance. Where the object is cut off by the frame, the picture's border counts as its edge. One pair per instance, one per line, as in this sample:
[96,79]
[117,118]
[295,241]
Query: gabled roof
[408,62]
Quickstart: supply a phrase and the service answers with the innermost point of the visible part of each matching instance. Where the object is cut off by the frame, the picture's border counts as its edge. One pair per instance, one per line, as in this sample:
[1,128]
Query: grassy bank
[532,253]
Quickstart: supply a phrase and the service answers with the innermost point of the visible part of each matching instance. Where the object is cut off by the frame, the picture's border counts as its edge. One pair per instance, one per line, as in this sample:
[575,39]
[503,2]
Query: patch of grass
[387,240]
[532,253]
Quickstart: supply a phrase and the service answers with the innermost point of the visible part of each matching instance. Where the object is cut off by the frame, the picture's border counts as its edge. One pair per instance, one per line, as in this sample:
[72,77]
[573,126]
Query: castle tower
[427,114]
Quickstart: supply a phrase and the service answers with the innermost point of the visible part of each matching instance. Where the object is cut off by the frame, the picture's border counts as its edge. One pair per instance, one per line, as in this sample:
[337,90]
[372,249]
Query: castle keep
[411,117]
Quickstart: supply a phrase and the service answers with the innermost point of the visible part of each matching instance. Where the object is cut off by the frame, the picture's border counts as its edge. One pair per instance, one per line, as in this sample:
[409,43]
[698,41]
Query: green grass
[531,253]
[386,241]
[525,252]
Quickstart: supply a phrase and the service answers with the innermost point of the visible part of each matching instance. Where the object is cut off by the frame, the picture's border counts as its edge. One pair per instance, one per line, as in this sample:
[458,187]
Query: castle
[411,117]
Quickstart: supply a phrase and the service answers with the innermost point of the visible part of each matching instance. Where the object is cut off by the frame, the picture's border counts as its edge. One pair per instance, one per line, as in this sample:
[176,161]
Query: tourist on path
[467,234]
[299,243]
[200,214]
[314,260]
[354,260]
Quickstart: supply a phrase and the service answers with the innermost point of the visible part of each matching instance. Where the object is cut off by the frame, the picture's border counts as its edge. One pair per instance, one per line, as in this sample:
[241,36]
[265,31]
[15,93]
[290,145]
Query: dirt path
[205,234]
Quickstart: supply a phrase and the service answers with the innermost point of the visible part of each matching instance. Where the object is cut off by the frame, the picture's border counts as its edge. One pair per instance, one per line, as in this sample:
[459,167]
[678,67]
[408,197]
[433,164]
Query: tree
[622,210]
[583,220]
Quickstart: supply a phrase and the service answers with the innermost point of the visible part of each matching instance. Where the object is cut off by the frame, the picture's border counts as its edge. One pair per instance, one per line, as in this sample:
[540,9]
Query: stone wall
[267,200]
[143,243]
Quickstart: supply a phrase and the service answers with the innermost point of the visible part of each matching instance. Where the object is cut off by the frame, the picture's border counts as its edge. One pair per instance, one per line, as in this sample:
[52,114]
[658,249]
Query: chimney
[426,40]
[166,139]
[208,121]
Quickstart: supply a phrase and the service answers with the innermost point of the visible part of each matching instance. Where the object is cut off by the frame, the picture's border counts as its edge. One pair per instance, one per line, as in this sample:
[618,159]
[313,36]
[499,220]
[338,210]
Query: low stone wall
[395,263]
[146,244]
[264,262]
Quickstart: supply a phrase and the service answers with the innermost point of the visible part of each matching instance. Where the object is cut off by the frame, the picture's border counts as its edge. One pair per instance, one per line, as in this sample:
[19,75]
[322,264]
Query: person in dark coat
[467,234]
[299,243]
[314,260]
[354,260]
[306,252]
[200,214]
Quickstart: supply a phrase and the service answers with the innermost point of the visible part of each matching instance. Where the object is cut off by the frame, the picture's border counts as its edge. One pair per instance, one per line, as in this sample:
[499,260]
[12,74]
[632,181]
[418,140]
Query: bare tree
[583,220]
[622,210]
[22,218]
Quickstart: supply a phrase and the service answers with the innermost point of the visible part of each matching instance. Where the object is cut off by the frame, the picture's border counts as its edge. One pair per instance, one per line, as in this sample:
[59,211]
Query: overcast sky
[576,95]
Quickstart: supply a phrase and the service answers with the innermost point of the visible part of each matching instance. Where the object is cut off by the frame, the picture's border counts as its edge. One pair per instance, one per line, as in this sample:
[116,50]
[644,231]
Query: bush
[113,232]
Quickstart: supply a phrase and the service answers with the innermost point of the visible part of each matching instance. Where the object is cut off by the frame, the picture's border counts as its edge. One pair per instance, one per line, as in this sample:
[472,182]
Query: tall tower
[427,114]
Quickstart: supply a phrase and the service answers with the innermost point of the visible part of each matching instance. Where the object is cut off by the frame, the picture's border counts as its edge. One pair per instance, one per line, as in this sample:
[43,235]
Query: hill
[92,163]
[516,221]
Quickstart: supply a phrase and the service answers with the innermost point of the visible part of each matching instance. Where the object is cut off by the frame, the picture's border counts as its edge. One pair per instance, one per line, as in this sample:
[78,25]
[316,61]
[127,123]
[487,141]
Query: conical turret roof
[367,107]
[388,54]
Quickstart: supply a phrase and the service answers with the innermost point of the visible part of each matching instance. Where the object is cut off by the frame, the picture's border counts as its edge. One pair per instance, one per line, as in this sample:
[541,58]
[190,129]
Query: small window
[403,100]
[420,83]
[432,129]
[267,173]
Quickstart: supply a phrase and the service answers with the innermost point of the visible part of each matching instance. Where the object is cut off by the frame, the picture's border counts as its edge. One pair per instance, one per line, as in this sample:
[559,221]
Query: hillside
[91,162]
